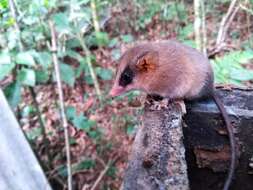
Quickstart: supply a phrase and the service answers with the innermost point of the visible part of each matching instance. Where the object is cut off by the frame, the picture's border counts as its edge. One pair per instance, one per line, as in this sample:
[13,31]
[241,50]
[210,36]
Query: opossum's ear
[147,61]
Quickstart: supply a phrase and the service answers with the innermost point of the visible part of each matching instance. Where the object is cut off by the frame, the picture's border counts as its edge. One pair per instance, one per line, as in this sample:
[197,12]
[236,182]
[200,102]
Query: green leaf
[67,74]
[34,133]
[6,66]
[28,110]
[88,79]
[80,69]
[61,22]
[43,58]
[3,4]
[83,2]
[26,76]
[241,74]
[70,112]
[13,94]
[72,141]
[111,171]
[73,43]
[85,165]
[127,38]
[6,70]
[229,68]
[186,31]
[174,10]
[42,76]
[113,42]
[5,58]
[74,55]
[130,129]
[115,53]
[94,134]
[78,121]
[102,38]
[12,37]
[81,122]
[90,123]
[30,20]
[25,58]
[104,74]
[189,43]
[62,170]
[245,56]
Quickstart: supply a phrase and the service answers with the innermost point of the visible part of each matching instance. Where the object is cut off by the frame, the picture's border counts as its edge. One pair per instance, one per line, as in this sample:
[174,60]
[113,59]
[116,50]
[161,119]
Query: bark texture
[158,155]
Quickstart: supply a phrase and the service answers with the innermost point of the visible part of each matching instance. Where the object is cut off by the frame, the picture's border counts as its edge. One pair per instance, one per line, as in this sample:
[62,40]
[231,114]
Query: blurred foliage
[25,52]
[229,68]
[26,57]
[82,122]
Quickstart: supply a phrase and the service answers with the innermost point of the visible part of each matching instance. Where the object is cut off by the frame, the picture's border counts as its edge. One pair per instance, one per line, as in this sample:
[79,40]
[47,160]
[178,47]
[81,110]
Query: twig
[42,126]
[94,16]
[177,17]
[61,101]
[203,27]
[200,25]
[95,21]
[101,175]
[197,24]
[38,111]
[250,11]
[226,21]
[92,72]
[53,175]
[14,16]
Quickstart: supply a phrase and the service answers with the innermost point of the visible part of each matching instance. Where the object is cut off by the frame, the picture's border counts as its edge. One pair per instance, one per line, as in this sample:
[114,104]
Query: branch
[203,27]
[61,101]
[17,28]
[94,16]
[197,24]
[92,72]
[200,25]
[100,177]
[226,21]
[248,10]
[42,126]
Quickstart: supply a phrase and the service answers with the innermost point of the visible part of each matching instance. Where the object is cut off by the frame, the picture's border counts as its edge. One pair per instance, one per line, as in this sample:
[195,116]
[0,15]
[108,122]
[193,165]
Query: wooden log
[207,145]
[19,168]
[158,155]
[152,163]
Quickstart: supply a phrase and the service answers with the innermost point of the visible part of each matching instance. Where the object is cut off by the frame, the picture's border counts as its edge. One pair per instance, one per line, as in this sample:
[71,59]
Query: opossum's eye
[126,77]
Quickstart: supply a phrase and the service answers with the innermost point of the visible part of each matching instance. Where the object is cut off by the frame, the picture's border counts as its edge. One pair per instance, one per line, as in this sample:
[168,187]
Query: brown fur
[171,69]
[175,71]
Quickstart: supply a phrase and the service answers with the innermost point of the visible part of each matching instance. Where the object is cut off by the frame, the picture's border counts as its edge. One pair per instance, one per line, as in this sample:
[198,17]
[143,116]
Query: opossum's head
[135,67]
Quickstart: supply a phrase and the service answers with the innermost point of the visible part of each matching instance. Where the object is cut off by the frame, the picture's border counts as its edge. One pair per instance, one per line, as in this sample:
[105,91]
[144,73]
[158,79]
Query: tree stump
[158,155]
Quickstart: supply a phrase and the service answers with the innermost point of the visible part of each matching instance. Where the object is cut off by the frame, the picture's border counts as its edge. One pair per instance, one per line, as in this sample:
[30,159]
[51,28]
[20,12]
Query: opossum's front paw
[181,104]
[157,105]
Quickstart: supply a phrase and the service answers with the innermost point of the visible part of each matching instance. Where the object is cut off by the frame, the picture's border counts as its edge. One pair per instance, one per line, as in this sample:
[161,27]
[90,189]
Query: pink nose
[116,91]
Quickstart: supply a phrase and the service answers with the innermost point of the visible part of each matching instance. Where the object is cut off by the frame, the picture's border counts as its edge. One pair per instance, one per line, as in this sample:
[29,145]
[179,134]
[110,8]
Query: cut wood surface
[19,168]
